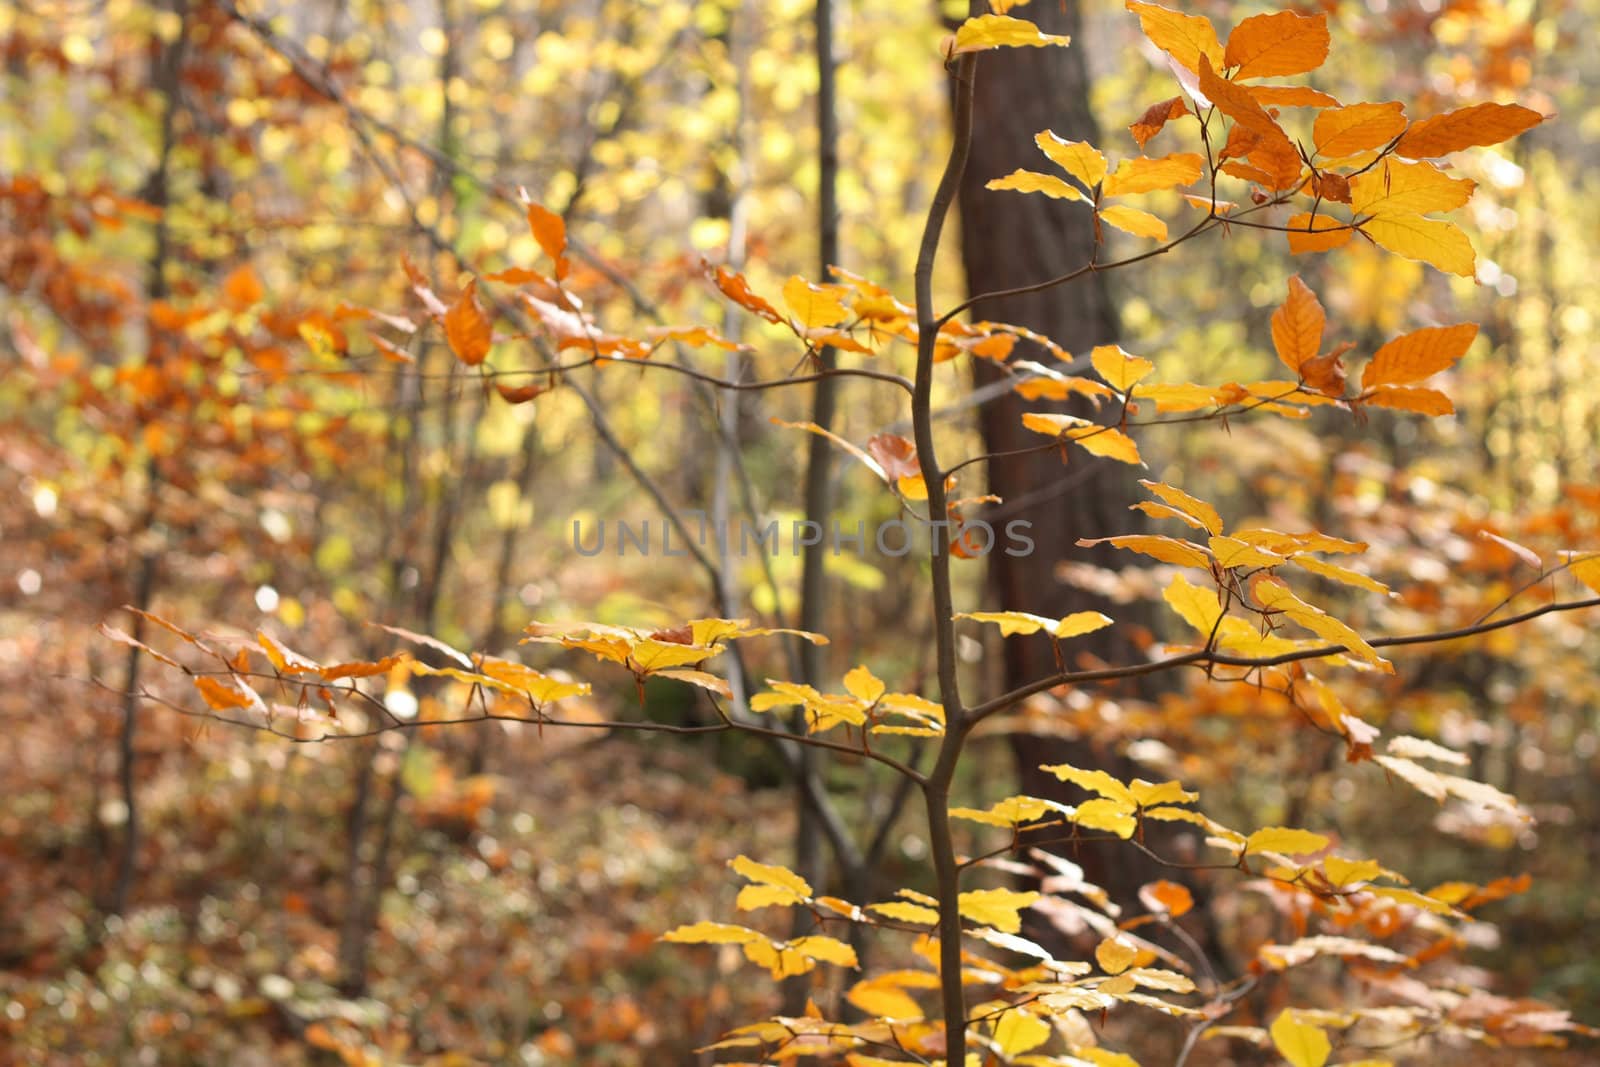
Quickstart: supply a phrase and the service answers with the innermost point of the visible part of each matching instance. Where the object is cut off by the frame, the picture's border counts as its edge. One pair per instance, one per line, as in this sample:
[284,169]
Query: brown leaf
[1155,117]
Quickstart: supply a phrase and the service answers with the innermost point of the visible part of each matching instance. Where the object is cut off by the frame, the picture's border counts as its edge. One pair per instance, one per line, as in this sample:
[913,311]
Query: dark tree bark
[1008,240]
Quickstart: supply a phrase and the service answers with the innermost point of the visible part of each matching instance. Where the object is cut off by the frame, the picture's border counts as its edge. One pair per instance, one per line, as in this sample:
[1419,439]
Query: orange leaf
[1316,233]
[241,289]
[551,232]
[518,394]
[1268,46]
[1468,127]
[1418,355]
[1290,96]
[389,351]
[1410,398]
[1297,325]
[1155,117]
[735,288]
[1344,131]
[1236,103]
[1324,373]
[1168,897]
[467,328]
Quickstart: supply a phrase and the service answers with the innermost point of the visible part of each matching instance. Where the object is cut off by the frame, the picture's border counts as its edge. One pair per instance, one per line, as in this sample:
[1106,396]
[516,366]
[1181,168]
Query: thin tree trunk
[167,64]
[809,855]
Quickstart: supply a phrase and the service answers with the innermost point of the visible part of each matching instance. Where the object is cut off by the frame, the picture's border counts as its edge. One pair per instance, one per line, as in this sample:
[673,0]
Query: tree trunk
[1009,240]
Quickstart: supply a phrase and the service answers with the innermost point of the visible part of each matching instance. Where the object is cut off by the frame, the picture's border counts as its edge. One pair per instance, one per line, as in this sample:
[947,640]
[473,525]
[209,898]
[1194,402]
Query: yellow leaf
[1272,594]
[648,655]
[466,327]
[1185,396]
[710,933]
[1118,368]
[1008,812]
[1302,1044]
[1196,605]
[1017,1032]
[781,961]
[1165,511]
[864,685]
[1101,440]
[1297,325]
[1183,37]
[1132,220]
[906,912]
[1468,127]
[1587,570]
[1231,552]
[752,897]
[1112,816]
[1011,623]
[1001,31]
[815,305]
[1284,839]
[1344,131]
[825,949]
[1052,424]
[1189,504]
[1146,793]
[1271,46]
[1344,575]
[1418,355]
[1400,188]
[1107,441]
[1432,241]
[1286,543]
[882,998]
[1343,872]
[1412,897]
[772,875]
[1116,954]
[1028,181]
[1092,780]
[996,907]
[1079,623]
[1316,233]
[1080,159]
[1166,549]
[1144,175]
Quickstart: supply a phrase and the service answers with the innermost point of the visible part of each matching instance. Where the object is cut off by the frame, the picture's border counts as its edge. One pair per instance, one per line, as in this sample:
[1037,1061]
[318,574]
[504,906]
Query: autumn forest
[622,532]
